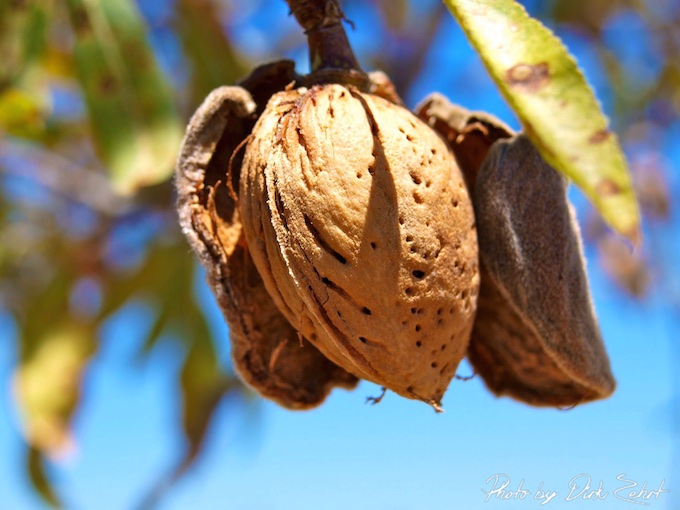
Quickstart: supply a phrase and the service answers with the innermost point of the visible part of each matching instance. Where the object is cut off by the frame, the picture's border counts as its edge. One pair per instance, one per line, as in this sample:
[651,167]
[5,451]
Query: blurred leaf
[653,190]
[395,13]
[404,58]
[22,36]
[203,386]
[47,384]
[47,300]
[133,118]
[214,60]
[628,269]
[58,63]
[160,324]
[202,381]
[22,113]
[40,480]
[592,14]
[165,278]
[558,110]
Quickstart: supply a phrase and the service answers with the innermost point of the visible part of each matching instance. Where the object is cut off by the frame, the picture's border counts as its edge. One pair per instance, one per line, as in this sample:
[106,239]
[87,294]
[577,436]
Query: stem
[329,48]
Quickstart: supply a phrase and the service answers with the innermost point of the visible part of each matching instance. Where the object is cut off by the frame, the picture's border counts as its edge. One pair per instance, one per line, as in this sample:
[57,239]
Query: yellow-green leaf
[22,113]
[47,385]
[134,122]
[559,112]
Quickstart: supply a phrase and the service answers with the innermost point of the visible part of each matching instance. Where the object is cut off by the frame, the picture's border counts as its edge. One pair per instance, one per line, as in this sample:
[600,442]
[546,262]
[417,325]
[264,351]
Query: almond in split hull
[360,225]
[536,337]
[267,351]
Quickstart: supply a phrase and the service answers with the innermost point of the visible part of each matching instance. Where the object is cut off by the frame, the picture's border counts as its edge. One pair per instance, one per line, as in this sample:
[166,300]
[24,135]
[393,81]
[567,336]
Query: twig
[329,49]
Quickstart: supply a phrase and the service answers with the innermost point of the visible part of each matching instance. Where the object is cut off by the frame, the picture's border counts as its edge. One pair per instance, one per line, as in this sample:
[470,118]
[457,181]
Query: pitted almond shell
[362,229]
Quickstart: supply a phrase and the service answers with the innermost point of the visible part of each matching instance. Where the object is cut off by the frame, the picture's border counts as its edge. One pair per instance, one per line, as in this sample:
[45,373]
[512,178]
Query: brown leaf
[651,186]
[628,268]
[40,479]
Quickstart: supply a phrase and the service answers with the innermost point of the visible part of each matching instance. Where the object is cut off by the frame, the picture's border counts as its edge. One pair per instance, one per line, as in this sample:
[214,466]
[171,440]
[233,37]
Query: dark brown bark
[329,49]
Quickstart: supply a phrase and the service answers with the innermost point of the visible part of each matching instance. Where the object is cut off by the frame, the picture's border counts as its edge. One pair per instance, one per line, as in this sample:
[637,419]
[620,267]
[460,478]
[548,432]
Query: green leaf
[22,113]
[132,115]
[559,112]
[22,36]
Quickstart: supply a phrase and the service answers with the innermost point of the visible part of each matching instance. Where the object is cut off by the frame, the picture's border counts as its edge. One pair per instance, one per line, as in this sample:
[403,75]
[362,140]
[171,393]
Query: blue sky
[346,454]
[398,454]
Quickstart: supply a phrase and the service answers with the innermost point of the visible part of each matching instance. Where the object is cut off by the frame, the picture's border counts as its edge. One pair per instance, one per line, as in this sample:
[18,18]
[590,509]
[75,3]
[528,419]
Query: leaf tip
[634,236]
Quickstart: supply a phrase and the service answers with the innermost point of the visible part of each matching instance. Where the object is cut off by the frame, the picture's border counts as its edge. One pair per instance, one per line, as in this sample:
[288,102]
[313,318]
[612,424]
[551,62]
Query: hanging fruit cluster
[347,238]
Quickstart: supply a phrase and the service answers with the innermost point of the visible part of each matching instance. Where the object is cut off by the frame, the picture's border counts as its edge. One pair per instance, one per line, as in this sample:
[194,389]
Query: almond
[360,225]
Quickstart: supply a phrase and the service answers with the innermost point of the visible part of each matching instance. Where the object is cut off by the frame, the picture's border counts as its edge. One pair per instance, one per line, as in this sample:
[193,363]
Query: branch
[329,49]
